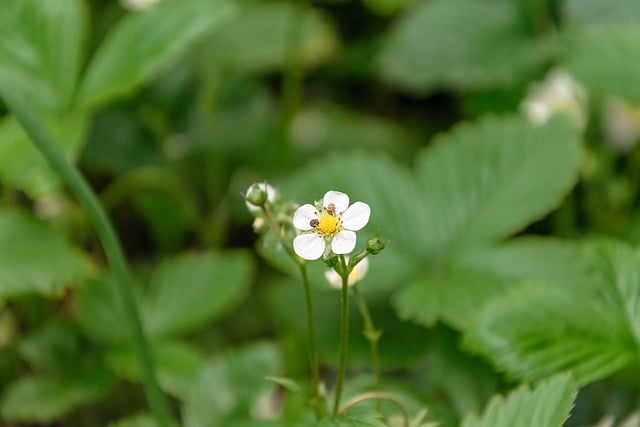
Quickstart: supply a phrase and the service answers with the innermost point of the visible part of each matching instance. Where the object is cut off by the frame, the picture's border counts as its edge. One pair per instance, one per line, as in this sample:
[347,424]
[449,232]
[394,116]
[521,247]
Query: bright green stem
[317,401]
[344,334]
[371,334]
[79,187]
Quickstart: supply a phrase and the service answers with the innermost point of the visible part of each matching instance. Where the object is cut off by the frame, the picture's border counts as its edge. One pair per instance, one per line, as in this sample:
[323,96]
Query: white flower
[621,124]
[271,195]
[137,4]
[357,274]
[333,222]
[558,94]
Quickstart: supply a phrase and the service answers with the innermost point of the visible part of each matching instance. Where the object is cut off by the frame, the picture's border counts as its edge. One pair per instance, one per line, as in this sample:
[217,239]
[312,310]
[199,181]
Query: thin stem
[371,334]
[344,333]
[80,188]
[316,400]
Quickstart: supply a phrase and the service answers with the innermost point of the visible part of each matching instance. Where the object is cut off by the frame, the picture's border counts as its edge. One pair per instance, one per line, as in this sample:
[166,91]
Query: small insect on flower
[332,222]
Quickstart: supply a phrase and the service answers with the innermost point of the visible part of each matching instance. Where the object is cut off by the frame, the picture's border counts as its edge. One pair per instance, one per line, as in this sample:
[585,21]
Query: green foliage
[604,60]
[230,386]
[34,258]
[547,404]
[41,399]
[462,44]
[142,43]
[354,417]
[139,420]
[595,13]
[259,37]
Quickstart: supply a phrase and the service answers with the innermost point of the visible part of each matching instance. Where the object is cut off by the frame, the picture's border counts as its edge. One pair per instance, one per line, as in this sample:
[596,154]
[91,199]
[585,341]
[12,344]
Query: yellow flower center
[328,224]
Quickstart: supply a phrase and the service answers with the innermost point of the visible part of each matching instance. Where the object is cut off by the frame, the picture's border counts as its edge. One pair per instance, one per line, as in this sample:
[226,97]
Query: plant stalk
[371,334]
[316,400]
[344,333]
[110,243]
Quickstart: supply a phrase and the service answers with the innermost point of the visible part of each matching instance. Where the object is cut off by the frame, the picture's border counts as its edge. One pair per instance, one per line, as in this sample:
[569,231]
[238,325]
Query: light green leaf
[191,290]
[141,44]
[228,387]
[42,400]
[595,12]
[464,44]
[23,167]
[520,259]
[484,181]
[40,49]
[454,297]
[548,404]
[619,267]
[355,416]
[258,39]
[177,364]
[139,420]
[604,60]
[535,331]
[35,258]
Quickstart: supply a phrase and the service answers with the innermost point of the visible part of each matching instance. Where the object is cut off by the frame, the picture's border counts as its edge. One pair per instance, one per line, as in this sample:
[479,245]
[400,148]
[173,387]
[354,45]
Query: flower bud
[375,245]
[256,195]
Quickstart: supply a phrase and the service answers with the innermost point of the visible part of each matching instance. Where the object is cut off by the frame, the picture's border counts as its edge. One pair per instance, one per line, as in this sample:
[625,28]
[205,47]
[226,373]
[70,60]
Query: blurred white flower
[268,189]
[621,124]
[558,94]
[357,274]
[137,4]
[333,222]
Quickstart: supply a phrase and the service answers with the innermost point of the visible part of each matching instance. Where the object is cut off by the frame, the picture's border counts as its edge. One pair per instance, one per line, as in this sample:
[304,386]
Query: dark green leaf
[548,404]
[355,416]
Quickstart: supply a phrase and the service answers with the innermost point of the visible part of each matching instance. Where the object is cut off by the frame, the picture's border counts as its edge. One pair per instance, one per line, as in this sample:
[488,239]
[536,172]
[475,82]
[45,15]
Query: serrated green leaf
[356,416]
[520,259]
[176,363]
[619,267]
[535,331]
[463,44]
[258,38]
[487,180]
[143,43]
[604,60]
[193,289]
[454,297]
[52,349]
[594,12]
[40,49]
[228,387]
[35,258]
[42,400]
[548,404]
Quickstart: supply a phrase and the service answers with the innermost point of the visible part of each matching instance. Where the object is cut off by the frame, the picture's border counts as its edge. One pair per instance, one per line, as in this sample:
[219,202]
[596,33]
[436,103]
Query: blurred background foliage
[512,233]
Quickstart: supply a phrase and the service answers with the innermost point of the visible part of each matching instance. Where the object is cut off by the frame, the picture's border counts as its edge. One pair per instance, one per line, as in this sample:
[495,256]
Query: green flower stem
[80,188]
[344,333]
[371,334]
[317,401]
[378,396]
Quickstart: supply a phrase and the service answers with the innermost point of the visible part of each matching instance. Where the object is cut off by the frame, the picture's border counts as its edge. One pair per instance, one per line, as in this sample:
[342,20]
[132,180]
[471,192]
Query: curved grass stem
[110,243]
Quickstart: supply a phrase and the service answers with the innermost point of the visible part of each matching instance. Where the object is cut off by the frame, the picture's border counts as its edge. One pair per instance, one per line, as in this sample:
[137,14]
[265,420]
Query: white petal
[359,271]
[303,216]
[333,278]
[344,242]
[356,217]
[309,246]
[340,200]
